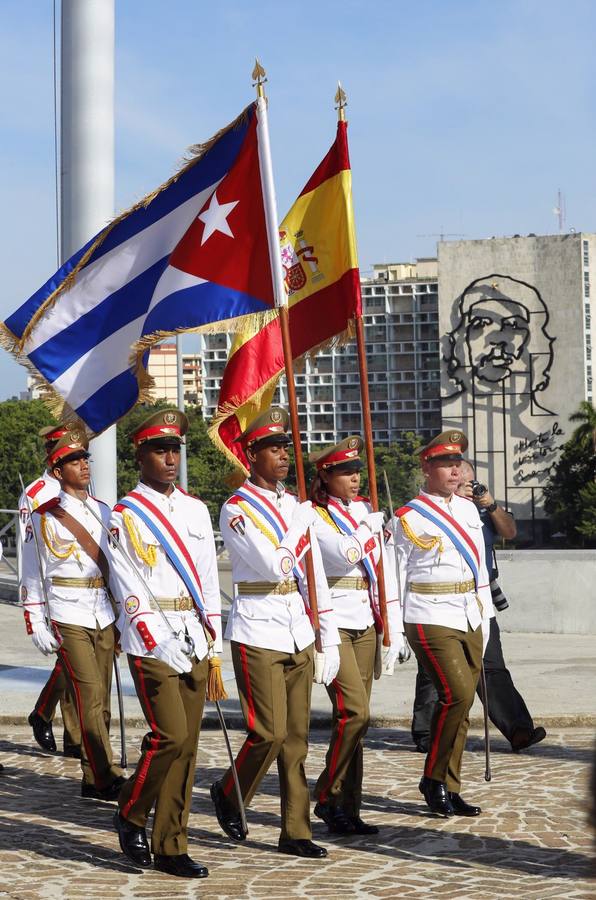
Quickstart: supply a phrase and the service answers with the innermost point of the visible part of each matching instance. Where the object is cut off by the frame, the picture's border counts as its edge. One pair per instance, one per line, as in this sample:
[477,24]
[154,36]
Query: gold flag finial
[259,77]
[342,102]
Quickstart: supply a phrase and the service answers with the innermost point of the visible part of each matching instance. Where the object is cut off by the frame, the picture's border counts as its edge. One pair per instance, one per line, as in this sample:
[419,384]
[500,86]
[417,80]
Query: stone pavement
[532,840]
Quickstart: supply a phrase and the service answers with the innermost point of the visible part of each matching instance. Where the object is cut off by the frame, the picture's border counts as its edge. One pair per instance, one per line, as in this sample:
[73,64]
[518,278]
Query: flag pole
[281,302]
[341,101]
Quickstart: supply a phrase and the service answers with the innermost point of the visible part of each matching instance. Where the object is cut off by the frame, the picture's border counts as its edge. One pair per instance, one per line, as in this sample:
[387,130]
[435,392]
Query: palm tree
[586,430]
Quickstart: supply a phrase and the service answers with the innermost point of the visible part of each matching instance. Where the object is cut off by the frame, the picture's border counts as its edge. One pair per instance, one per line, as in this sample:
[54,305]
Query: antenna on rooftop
[560,211]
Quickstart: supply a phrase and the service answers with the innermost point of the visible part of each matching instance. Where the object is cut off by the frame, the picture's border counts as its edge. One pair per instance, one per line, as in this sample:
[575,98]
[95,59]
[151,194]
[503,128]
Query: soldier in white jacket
[55,690]
[168,535]
[75,562]
[447,607]
[265,530]
[348,532]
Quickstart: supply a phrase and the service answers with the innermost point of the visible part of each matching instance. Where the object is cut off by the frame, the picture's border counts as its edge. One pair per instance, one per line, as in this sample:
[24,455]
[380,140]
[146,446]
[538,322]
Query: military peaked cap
[347,452]
[166,425]
[451,444]
[271,427]
[72,445]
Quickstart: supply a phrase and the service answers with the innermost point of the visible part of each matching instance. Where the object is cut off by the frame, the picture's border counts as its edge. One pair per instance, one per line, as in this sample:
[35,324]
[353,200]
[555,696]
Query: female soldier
[348,533]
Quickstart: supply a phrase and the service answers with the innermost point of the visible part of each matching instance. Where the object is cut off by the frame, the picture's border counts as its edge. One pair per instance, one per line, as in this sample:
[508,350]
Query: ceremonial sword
[189,648]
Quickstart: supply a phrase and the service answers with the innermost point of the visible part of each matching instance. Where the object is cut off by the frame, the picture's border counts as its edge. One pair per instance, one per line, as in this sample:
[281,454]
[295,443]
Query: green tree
[587,526]
[21,449]
[564,495]
[586,430]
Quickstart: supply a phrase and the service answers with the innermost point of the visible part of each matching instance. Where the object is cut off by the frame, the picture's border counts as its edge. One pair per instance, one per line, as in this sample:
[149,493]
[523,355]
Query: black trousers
[506,708]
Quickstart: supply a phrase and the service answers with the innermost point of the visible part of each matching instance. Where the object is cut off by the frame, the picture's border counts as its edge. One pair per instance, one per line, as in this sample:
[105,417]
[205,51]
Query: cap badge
[75,436]
[454,437]
[169,418]
[353,442]
[275,415]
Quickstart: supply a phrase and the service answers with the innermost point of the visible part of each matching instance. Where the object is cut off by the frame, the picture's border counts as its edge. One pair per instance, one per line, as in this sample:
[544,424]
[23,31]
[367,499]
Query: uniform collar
[438,499]
[157,496]
[265,492]
[344,503]
[70,500]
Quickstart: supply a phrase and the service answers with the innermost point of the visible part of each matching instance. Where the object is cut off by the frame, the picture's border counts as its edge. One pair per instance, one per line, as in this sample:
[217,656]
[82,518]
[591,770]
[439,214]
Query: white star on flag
[215,218]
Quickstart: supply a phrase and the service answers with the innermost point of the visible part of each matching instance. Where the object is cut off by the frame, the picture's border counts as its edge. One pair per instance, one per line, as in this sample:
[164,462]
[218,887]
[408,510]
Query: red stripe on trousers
[432,755]
[153,742]
[56,671]
[250,723]
[79,704]
[340,732]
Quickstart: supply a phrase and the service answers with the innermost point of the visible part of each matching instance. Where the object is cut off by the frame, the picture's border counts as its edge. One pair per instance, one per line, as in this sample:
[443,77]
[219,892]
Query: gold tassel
[215,685]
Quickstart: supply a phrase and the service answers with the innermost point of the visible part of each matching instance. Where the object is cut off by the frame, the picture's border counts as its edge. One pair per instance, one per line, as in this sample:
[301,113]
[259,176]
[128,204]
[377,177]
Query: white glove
[305,515]
[170,652]
[398,650]
[43,638]
[326,665]
[375,521]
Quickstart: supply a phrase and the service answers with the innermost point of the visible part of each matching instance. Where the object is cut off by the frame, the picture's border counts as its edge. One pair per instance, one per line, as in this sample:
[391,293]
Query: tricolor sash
[175,549]
[448,525]
[347,525]
[270,513]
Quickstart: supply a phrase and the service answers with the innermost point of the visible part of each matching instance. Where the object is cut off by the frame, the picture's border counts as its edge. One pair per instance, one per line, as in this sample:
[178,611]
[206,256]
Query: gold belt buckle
[285,587]
[184,604]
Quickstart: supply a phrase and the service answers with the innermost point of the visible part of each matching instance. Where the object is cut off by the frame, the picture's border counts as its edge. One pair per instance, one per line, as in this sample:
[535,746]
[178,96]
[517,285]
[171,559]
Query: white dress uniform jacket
[141,626]
[63,557]
[38,492]
[341,557]
[267,620]
[416,564]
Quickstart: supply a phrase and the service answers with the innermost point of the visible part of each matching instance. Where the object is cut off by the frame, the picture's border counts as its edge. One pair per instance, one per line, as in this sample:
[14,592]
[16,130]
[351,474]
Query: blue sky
[465,117]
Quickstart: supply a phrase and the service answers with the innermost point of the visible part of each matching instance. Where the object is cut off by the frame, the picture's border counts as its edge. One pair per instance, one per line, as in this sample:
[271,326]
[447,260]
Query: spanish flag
[318,249]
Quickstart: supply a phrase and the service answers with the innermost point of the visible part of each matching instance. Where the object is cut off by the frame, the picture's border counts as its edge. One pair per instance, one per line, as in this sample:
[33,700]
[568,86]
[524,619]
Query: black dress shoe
[461,808]
[182,866]
[227,816]
[133,841]
[361,827]
[524,738]
[72,750]
[335,818]
[436,796]
[42,732]
[108,794]
[302,848]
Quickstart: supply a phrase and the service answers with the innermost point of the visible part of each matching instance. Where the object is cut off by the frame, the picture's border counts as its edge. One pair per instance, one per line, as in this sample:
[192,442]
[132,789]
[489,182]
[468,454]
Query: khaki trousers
[56,691]
[452,660]
[173,707]
[87,655]
[274,689]
[340,783]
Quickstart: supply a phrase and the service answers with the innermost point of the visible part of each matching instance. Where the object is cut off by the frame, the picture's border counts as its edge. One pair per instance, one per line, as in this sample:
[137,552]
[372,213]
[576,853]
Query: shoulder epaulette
[291,493]
[35,488]
[402,511]
[366,499]
[235,498]
[118,507]
[49,504]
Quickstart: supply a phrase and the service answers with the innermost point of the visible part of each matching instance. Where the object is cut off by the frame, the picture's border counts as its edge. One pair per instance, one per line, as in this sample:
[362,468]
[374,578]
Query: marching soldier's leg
[70,722]
[170,823]
[104,653]
[293,789]
[364,651]
[43,712]
[262,690]
[77,651]
[441,652]
[425,700]
[159,694]
[350,721]
[472,648]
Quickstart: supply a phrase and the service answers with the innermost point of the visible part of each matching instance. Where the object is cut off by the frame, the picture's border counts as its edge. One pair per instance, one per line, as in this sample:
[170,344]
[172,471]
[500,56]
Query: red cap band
[338,457]
[55,435]
[64,451]
[156,431]
[264,431]
[442,450]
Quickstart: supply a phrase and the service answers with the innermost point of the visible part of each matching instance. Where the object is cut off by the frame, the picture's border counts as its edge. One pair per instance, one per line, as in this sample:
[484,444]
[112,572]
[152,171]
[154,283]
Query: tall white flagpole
[87,159]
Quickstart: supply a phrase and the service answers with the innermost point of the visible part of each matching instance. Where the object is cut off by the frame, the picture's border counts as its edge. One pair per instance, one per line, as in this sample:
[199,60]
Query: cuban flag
[191,256]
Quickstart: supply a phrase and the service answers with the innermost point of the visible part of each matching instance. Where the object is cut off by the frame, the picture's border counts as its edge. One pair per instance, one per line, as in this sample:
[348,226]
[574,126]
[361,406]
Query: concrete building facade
[516,356]
[400,306]
[162,368]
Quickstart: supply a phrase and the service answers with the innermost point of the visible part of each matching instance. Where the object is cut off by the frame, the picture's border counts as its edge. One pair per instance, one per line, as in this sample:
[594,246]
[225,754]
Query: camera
[478,489]
[500,601]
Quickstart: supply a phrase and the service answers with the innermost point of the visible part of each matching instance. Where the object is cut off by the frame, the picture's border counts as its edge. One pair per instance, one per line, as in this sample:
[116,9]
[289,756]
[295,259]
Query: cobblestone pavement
[532,840]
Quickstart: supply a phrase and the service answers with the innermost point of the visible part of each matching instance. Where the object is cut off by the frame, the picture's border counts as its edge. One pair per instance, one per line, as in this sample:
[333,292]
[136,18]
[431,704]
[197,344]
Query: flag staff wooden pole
[341,101]
[281,302]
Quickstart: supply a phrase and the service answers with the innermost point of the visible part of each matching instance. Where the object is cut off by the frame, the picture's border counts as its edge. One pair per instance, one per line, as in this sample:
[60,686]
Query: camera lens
[478,490]
[500,601]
